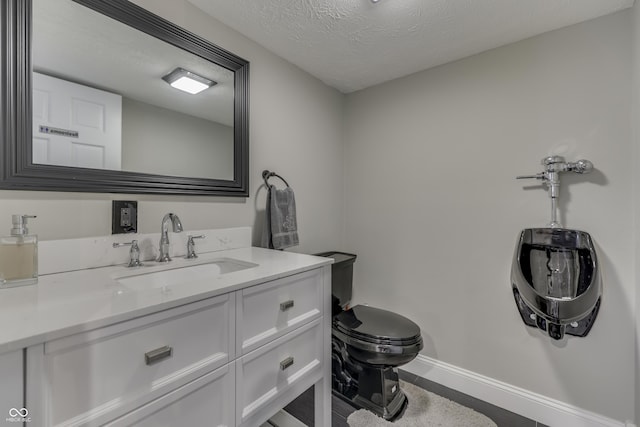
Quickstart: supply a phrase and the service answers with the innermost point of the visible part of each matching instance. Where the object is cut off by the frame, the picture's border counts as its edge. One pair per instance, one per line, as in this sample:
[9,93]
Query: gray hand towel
[267,240]
[281,226]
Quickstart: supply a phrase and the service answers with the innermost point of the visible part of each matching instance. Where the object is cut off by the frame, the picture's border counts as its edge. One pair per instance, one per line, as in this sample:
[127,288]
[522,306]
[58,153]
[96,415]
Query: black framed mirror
[39,153]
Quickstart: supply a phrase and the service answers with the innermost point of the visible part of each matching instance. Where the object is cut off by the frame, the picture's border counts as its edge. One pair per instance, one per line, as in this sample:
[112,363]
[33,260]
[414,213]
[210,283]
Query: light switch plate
[124,217]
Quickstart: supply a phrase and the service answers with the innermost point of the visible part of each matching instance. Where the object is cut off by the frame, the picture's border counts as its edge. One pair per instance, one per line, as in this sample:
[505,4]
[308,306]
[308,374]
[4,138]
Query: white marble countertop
[62,304]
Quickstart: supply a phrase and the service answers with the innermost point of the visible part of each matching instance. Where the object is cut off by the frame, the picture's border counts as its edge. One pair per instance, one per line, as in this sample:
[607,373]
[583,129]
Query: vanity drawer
[95,376]
[209,400]
[270,310]
[294,360]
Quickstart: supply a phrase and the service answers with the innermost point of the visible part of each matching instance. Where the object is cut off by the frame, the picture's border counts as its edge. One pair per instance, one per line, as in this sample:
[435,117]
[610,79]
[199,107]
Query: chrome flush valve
[553,165]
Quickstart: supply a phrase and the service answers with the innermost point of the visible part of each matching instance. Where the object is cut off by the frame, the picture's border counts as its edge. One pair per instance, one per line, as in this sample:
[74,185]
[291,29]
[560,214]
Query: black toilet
[368,344]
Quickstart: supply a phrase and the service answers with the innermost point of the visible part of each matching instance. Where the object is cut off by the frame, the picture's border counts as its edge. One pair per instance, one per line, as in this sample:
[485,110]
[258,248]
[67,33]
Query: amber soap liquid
[18,261]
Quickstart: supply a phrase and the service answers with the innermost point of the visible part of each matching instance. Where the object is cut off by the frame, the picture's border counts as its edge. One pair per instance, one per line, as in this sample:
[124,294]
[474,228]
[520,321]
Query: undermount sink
[185,273]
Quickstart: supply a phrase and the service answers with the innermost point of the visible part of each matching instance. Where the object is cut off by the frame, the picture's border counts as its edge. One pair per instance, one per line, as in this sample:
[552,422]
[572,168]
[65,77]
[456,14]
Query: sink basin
[185,274]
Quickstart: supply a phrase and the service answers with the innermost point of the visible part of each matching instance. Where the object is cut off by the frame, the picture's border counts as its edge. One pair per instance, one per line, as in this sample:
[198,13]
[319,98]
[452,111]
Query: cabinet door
[207,401]
[11,386]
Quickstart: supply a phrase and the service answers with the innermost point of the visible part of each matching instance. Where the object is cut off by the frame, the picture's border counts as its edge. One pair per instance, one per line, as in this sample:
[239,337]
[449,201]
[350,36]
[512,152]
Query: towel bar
[268,174]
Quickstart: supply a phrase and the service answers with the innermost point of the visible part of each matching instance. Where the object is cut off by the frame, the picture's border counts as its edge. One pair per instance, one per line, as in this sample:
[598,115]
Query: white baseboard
[520,401]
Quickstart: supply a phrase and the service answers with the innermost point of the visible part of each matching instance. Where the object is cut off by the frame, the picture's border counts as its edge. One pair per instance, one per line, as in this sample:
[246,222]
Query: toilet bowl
[368,345]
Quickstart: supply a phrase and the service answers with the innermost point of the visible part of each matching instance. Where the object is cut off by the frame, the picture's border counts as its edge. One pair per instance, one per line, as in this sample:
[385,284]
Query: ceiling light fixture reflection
[187,81]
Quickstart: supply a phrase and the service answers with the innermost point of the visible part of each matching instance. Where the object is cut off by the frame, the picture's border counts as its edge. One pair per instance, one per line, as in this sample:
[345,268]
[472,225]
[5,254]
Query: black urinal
[556,280]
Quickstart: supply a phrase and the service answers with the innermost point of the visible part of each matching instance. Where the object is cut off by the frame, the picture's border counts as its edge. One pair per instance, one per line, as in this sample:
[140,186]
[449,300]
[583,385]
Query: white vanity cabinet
[12,391]
[231,360]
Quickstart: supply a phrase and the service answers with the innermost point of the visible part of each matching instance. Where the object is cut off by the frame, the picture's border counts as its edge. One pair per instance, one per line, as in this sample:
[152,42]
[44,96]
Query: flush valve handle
[134,253]
[536,176]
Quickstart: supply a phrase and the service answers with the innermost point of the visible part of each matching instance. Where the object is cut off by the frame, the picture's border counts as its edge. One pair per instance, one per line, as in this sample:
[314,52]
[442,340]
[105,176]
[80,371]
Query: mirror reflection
[105,97]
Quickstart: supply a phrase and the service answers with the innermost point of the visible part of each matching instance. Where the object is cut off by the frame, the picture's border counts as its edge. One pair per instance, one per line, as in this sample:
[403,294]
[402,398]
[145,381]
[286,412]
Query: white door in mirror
[75,125]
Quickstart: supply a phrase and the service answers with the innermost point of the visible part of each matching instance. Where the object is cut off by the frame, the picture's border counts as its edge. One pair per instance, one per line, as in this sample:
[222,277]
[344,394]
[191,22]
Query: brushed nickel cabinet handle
[286,363]
[284,306]
[158,355]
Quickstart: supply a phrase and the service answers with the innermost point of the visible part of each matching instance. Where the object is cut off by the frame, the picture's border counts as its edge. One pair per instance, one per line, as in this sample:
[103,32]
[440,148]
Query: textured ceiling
[354,44]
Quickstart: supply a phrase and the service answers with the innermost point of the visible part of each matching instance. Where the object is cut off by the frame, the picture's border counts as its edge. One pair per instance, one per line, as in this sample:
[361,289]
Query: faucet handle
[134,253]
[191,246]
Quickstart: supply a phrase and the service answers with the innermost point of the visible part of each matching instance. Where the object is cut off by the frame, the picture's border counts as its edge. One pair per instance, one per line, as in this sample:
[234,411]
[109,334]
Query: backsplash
[57,256]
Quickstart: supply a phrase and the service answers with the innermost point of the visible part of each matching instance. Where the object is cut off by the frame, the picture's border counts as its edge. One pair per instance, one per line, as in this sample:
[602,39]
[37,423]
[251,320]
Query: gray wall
[295,129]
[433,209]
[161,141]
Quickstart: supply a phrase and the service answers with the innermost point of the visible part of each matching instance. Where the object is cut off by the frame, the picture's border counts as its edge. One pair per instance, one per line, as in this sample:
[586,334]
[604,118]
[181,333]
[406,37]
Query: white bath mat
[425,409]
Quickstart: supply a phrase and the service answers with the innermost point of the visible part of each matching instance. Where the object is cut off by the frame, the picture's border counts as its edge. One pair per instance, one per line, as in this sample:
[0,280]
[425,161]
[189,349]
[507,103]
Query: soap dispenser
[19,255]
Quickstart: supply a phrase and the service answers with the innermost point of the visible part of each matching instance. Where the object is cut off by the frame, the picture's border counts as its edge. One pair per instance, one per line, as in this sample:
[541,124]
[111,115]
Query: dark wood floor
[302,407]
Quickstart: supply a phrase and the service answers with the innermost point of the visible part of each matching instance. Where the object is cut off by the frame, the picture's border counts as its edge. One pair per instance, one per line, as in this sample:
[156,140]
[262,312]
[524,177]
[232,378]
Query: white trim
[520,401]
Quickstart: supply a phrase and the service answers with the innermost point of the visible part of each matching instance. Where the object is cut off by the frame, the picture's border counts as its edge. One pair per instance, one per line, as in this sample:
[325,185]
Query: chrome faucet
[164,235]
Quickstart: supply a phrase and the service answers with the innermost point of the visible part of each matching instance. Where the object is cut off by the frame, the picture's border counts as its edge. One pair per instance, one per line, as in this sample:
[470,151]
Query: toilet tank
[341,276]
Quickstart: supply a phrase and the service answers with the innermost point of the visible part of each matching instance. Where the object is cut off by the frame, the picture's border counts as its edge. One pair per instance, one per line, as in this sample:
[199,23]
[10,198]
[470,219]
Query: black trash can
[341,278]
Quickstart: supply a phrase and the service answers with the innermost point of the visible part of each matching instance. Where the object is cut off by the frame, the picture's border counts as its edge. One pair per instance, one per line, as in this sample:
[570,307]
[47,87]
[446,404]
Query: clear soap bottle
[19,255]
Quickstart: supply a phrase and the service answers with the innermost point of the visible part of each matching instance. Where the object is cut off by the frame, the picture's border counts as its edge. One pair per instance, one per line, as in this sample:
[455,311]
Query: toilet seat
[375,330]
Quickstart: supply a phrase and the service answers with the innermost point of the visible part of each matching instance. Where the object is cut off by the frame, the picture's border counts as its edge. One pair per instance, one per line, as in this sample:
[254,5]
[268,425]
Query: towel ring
[268,174]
